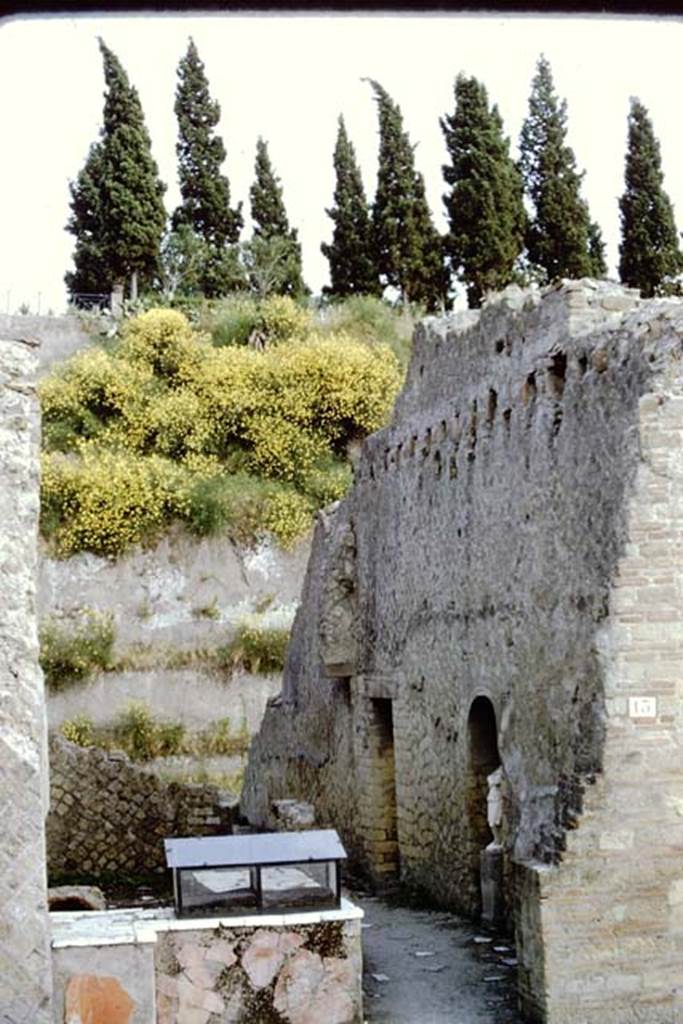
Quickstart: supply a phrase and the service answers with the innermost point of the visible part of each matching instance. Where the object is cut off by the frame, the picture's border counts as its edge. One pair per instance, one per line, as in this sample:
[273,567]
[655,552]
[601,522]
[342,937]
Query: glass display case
[217,876]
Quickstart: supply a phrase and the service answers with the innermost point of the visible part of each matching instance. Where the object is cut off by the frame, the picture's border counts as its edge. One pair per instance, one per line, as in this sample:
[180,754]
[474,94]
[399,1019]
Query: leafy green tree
[559,233]
[132,214]
[408,248]
[91,275]
[271,265]
[205,192]
[485,203]
[270,221]
[650,254]
[350,254]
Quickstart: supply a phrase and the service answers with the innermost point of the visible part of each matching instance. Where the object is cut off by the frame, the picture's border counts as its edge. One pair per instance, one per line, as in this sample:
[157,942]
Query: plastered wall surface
[25,972]
[175,603]
[502,581]
[59,336]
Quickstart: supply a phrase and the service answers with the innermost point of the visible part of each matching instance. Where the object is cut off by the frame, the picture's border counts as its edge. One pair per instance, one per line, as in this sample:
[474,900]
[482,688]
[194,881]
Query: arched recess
[483,758]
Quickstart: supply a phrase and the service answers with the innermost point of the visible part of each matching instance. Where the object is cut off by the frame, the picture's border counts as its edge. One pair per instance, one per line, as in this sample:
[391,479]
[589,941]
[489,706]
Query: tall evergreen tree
[596,250]
[408,248]
[133,214]
[91,276]
[270,224]
[352,268]
[205,192]
[485,204]
[118,215]
[650,254]
[558,236]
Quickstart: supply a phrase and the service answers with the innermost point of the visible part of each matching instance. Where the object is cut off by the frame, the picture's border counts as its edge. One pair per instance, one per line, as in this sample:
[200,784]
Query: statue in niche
[494,807]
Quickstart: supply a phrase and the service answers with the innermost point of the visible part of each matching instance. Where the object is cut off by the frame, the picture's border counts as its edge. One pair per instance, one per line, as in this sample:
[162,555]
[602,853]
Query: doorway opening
[483,761]
[383,846]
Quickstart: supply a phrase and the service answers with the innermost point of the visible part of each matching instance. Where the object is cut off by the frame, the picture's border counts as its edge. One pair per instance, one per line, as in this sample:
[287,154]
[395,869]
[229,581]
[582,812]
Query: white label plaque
[642,707]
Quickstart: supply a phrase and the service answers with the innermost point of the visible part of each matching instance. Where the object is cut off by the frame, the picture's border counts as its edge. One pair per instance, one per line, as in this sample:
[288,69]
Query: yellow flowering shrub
[89,391]
[288,515]
[282,449]
[106,500]
[168,426]
[281,319]
[179,423]
[163,340]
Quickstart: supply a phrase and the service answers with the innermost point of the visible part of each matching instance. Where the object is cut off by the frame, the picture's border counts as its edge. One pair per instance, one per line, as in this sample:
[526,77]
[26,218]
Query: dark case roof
[263,848]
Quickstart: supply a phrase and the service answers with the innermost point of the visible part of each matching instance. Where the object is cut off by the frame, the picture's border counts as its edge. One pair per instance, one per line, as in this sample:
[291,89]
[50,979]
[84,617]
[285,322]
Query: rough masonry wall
[303,968]
[109,815]
[298,975]
[25,974]
[490,524]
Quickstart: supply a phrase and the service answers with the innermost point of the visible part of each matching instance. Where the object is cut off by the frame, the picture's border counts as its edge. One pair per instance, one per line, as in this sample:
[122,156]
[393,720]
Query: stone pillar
[492,886]
[25,968]
[116,301]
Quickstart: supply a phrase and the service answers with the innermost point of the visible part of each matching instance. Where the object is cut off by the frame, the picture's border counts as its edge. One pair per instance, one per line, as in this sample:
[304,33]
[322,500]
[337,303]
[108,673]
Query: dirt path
[427,967]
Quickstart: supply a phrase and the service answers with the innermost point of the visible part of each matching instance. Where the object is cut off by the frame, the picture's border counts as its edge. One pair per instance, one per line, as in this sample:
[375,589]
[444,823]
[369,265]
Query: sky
[287,78]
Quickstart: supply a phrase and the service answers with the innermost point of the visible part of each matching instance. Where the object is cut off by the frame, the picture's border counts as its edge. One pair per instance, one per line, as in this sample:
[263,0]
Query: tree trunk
[134,286]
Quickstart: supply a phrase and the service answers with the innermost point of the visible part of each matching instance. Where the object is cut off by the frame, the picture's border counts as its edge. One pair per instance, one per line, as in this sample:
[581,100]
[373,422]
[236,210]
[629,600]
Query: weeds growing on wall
[72,649]
[163,425]
[143,736]
[255,648]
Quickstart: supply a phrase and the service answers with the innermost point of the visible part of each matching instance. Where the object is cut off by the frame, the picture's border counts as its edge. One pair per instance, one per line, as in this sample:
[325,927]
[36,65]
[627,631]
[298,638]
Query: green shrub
[373,321]
[142,737]
[327,482]
[219,739]
[231,321]
[79,730]
[71,650]
[239,319]
[256,648]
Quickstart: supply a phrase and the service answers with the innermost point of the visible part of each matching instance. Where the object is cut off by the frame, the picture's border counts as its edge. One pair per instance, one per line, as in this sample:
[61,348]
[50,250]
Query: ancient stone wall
[110,815]
[302,968]
[25,974]
[502,588]
[59,336]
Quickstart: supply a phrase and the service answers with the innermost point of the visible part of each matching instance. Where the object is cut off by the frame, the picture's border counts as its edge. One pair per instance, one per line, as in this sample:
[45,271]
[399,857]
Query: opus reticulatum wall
[503,590]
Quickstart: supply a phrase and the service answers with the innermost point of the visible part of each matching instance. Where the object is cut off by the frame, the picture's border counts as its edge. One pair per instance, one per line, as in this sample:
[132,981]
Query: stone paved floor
[461,981]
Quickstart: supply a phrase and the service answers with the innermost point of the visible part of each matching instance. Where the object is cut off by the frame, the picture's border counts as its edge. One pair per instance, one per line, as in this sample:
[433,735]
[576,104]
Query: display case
[217,876]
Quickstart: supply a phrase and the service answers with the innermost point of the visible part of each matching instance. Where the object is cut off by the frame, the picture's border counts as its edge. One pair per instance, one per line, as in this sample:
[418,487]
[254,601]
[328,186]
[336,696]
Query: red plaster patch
[92,999]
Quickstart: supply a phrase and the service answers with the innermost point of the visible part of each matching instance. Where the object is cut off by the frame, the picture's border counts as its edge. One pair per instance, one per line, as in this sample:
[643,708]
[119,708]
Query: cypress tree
[117,212]
[649,253]
[272,226]
[91,275]
[352,268]
[485,204]
[596,250]
[132,209]
[408,248]
[205,192]
[558,236]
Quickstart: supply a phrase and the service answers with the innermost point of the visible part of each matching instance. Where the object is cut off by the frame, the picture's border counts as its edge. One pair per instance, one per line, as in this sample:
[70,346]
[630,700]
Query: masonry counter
[256,873]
